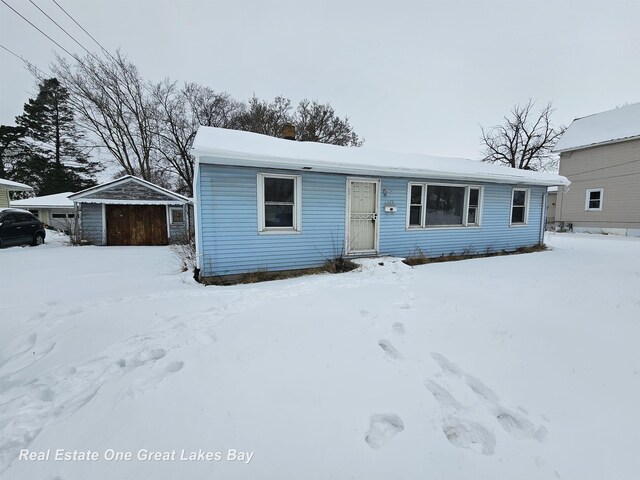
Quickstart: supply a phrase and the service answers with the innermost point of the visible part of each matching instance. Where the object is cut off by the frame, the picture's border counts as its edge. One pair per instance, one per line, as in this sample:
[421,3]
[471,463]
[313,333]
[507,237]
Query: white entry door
[362,216]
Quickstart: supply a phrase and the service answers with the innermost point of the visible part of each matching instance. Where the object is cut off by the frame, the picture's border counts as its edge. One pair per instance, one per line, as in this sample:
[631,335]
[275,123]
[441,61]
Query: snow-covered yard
[515,367]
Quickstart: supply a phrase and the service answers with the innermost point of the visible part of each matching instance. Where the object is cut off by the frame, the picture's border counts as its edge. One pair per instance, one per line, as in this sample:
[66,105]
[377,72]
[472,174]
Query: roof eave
[236,159]
[597,144]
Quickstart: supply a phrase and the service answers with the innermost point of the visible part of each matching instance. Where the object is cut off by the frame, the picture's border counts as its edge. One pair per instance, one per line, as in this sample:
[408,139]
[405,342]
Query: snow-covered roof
[232,147]
[14,186]
[80,196]
[57,200]
[611,126]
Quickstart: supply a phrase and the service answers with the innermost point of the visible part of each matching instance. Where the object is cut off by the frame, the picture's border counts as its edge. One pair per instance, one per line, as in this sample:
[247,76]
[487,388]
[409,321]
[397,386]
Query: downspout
[197,214]
[543,216]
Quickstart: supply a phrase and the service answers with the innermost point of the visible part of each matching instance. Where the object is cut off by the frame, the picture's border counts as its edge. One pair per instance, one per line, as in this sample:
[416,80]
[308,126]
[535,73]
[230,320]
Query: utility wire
[29,22]
[602,178]
[20,57]
[83,29]
[604,168]
[62,28]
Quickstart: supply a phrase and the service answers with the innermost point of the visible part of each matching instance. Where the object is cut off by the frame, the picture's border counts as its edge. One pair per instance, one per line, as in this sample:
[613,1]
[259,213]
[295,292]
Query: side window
[473,210]
[176,215]
[10,218]
[279,199]
[24,217]
[415,206]
[594,200]
[519,206]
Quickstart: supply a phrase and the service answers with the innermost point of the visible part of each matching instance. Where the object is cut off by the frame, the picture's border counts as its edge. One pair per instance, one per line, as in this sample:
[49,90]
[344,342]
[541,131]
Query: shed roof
[231,147]
[612,126]
[14,186]
[57,200]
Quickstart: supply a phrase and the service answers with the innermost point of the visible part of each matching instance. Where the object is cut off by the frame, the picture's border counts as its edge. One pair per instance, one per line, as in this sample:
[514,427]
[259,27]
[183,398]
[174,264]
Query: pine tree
[52,158]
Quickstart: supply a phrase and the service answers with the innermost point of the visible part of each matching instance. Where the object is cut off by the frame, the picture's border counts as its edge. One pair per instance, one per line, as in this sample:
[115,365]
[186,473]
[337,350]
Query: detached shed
[131,211]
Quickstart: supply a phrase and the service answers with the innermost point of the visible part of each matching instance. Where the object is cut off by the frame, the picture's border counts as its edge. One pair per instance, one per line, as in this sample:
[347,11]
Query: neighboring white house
[7,186]
[600,154]
[54,210]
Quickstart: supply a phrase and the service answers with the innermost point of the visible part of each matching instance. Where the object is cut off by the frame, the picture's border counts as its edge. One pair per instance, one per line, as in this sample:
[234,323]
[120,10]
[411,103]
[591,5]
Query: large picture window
[438,205]
[519,206]
[278,203]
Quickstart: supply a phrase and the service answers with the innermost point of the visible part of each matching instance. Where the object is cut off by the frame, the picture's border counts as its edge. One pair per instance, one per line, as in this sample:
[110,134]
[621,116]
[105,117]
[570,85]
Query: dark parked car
[19,227]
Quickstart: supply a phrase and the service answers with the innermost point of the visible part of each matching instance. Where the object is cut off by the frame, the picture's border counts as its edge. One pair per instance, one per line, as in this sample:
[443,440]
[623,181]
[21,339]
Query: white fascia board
[597,144]
[233,159]
[111,201]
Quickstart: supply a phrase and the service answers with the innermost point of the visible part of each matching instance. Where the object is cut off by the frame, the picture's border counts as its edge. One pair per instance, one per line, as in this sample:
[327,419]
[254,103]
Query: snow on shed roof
[14,186]
[232,147]
[57,200]
[607,127]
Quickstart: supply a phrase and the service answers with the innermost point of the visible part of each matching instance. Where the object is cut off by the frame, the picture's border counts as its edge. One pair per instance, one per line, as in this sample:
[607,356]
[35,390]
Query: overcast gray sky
[416,76]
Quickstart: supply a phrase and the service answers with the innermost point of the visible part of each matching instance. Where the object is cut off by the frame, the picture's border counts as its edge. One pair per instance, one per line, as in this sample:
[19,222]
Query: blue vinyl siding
[230,243]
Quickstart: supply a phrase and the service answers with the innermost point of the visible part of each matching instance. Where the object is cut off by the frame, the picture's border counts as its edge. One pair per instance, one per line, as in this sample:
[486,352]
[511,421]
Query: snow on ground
[522,366]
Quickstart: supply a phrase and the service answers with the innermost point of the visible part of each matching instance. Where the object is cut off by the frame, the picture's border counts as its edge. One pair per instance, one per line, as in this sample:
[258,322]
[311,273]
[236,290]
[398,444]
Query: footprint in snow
[382,429]
[389,349]
[154,379]
[398,328]
[468,434]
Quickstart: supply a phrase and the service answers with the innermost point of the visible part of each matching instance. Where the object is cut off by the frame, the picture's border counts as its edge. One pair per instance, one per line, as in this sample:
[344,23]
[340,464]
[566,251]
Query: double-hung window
[593,202]
[440,205]
[278,203]
[519,206]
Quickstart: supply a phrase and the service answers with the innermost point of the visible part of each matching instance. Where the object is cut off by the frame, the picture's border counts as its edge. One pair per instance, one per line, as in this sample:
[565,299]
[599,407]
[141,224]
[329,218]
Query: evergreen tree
[10,148]
[52,158]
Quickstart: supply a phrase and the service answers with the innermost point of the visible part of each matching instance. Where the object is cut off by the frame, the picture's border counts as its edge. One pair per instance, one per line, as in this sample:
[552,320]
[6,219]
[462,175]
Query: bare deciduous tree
[266,118]
[525,139]
[179,113]
[317,122]
[112,101]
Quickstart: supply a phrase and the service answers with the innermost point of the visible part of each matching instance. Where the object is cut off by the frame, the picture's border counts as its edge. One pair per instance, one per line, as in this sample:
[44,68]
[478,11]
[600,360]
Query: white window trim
[527,195]
[297,207]
[586,201]
[171,221]
[425,186]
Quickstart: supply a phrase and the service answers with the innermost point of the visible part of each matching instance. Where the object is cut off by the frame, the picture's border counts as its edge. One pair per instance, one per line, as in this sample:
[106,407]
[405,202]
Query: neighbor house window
[176,215]
[594,199]
[519,206]
[279,203]
[63,215]
[437,205]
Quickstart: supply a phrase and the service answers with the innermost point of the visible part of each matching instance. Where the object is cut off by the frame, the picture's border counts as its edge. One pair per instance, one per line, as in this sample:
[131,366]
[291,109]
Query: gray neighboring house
[131,211]
[600,155]
[55,211]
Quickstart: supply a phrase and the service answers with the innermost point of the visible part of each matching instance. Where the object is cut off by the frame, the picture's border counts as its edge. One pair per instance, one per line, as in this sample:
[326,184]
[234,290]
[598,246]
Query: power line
[61,28]
[29,22]
[20,57]
[83,29]
[604,168]
[602,178]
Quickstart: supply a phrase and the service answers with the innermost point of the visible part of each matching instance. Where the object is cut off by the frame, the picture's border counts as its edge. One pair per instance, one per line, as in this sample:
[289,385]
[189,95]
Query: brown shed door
[136,225]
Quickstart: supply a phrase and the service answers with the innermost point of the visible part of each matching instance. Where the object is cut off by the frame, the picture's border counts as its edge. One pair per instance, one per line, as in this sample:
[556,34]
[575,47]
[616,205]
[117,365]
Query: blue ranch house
[271,204]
